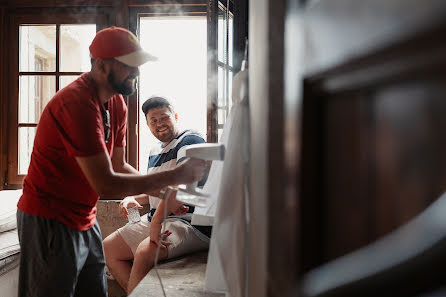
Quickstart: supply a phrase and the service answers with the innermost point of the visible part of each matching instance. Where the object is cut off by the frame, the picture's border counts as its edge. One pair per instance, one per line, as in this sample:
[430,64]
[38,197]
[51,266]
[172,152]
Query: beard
[166,136]
[122,88]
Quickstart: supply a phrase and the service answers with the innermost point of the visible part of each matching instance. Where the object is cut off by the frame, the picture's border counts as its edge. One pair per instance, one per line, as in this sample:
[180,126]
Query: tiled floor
[182,277]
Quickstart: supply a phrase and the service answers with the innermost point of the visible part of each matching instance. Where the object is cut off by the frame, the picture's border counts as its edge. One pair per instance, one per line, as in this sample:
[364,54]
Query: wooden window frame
[102,15]
[227,7]
[198,8]
[42,17]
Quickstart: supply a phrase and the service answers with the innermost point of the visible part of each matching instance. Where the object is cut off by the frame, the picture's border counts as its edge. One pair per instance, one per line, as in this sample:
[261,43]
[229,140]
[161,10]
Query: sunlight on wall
[180,74]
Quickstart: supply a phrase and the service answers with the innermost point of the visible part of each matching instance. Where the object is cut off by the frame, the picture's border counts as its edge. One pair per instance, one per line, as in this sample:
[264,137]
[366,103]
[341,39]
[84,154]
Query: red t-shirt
[71,126]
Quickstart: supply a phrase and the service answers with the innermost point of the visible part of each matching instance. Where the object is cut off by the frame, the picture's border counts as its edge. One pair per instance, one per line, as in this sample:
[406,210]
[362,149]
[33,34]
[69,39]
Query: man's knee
[146,251]
[116,248]
[108,244]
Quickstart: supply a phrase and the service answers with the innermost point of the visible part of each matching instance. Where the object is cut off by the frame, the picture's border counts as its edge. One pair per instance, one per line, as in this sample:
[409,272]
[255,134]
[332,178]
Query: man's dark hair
[155,102]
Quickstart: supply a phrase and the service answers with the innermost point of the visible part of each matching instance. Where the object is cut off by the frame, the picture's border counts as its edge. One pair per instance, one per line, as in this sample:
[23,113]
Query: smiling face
[122,78]
[163,124]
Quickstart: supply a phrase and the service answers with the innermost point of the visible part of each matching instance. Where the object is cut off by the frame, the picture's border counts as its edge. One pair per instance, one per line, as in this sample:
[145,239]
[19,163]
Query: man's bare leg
[117,258]
[144,261]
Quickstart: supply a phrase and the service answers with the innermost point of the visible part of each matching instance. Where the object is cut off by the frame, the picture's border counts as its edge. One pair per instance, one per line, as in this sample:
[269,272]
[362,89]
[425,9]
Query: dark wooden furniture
[408,262]
[373,143]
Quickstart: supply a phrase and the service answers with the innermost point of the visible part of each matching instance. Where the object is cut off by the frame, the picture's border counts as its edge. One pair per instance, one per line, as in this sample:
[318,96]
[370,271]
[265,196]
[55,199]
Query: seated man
[138,242]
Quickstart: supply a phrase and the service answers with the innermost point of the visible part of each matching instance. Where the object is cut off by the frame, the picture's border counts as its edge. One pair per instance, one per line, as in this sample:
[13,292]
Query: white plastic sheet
[226,267]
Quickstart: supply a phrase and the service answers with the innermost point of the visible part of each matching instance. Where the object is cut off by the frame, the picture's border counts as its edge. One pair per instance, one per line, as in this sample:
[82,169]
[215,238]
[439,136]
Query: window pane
[231,74]
[74,43]
[65,80]
[37,48]
[220,132]
[221,116]
[26,141]
[231,40]
[221,87]
[34,93]
[180,74]
[221,35]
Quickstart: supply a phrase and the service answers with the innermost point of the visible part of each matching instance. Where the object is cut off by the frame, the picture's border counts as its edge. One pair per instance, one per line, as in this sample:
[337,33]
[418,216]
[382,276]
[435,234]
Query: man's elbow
[107,189]
[104,192]
[118,167]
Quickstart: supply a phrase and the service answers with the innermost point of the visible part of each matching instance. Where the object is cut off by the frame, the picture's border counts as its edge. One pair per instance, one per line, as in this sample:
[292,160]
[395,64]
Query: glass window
[180,74]
[41,75]
[219,133]
[221,116]
[221,87]
[74,43]
[65,80]
[221,24]
[225,39]
[230,77]
[26,141]
[37,48]
[35,91]
[230,41]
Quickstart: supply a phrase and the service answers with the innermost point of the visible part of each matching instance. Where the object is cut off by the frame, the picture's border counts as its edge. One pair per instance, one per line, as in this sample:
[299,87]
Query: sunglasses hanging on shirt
[106,121]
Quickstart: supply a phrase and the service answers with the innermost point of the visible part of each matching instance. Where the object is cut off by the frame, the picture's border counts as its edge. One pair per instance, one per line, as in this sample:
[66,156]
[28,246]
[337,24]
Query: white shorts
[185,238]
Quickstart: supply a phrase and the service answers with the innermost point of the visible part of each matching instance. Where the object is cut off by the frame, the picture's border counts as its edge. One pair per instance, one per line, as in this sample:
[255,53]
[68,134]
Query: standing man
[138,242]
[78,155]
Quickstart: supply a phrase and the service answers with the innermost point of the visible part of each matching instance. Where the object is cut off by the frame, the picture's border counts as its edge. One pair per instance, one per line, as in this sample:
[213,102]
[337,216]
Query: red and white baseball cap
[121,44]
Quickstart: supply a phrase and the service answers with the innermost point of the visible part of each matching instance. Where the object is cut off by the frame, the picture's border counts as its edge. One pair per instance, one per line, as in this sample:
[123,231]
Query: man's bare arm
[120,165]
[98,170]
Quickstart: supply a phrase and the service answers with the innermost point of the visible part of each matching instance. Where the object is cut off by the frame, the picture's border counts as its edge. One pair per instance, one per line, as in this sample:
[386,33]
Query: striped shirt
[164,158]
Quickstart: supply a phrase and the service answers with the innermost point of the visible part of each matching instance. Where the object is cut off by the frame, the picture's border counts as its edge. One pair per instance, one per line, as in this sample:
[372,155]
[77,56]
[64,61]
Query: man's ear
[176,117]
[102,65]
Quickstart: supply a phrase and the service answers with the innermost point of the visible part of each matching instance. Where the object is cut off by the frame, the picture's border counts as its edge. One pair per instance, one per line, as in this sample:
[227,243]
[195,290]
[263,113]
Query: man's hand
[190,170]
[127,202]
[181,210]
[155,234]
[174,206]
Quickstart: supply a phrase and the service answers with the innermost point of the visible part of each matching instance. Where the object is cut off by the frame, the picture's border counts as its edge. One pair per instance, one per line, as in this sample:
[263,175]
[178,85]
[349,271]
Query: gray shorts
[59,261]
[185,238]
